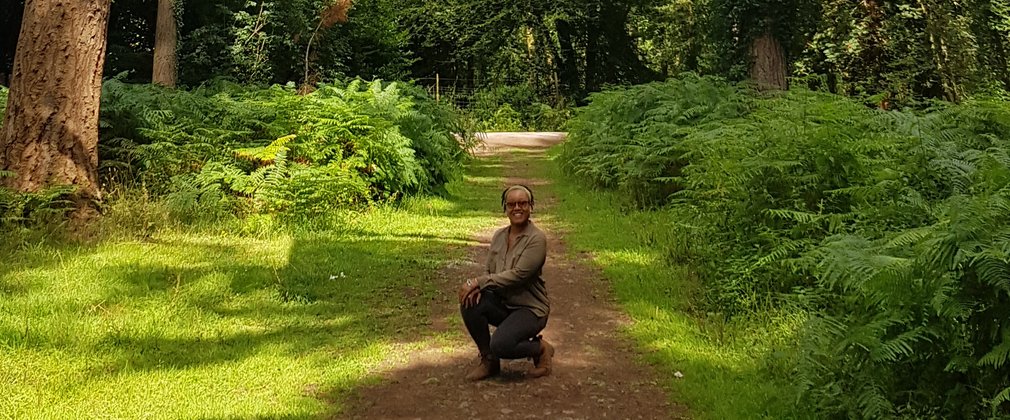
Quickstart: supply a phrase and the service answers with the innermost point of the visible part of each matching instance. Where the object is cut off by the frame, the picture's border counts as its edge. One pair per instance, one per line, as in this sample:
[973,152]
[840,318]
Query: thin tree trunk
[166,40]
[941,58]
[769,63]
[50,130]
[308,81]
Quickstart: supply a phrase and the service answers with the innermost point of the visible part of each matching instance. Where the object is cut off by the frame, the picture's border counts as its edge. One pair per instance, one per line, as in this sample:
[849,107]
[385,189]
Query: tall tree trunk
[166,39]
[50,130]
[768,68]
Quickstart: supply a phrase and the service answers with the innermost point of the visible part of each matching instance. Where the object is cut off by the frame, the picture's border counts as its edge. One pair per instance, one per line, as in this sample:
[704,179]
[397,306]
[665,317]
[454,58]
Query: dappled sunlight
[483,180]
[678,334]
[487,164]
[450,230]
[642,257]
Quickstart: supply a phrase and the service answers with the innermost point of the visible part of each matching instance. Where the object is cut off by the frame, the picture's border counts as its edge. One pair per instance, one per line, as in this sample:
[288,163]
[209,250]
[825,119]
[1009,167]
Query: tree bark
[50,130]
[768,68]
[166,40]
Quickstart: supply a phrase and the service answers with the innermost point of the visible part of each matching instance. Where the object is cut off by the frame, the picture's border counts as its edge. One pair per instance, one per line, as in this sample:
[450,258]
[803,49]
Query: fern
[268,153]
[373,140]
[999,355]
[888,228]
[1000,398]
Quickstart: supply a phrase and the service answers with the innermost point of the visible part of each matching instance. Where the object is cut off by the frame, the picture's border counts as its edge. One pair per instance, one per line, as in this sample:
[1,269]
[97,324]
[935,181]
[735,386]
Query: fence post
[437,82]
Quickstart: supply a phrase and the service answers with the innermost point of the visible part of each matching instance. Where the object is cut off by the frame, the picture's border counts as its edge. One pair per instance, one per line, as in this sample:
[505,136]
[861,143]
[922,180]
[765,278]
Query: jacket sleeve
[531,261]
[487,262]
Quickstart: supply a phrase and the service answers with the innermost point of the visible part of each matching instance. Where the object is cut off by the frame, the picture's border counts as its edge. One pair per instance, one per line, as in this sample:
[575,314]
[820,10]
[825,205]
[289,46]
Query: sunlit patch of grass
[724,365]
[259,321]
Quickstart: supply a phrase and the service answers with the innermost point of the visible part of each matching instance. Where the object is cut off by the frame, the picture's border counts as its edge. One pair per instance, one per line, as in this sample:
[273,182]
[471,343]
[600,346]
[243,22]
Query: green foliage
[671,35]
[561,48]
[731,26]
[900,52]
[921,300]
[262,41]
[889,53]
[270,150]
[511,108]
[887,227]
[629,139]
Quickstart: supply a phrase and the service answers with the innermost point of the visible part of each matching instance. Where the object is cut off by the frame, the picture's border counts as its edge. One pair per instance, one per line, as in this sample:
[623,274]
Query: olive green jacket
[515,275]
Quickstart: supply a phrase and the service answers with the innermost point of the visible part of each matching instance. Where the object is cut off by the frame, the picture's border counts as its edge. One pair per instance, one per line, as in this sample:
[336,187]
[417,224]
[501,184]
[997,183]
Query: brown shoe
[542,361]
[488,367]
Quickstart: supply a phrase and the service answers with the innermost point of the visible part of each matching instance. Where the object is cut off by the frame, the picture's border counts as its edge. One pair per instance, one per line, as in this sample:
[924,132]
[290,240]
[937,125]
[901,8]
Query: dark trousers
[516,335]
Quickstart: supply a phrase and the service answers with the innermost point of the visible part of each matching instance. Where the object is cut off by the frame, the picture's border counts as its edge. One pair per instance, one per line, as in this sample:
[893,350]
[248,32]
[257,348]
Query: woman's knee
[469,312]
[502,346]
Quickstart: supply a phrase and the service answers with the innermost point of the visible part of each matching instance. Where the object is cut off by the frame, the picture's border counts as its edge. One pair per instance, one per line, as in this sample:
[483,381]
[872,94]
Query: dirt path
[595,375]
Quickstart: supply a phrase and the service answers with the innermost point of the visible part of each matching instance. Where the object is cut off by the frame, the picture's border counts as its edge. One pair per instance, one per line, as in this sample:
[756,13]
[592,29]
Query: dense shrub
[630,138]
[913,315]
[277,151]
[888,228]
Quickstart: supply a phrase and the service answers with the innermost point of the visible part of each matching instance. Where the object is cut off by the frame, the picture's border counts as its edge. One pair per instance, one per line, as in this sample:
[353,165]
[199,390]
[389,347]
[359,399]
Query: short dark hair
[516,187]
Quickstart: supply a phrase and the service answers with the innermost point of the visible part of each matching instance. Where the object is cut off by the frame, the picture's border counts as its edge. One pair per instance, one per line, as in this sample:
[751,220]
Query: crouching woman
[511,295]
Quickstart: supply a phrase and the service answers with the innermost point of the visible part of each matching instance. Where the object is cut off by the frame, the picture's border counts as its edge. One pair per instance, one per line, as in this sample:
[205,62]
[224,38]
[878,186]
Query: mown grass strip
[191,324]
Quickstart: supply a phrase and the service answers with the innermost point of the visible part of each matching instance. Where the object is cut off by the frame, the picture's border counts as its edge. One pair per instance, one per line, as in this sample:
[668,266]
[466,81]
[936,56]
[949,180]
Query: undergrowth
[229,156]
[225,148]
[887,229]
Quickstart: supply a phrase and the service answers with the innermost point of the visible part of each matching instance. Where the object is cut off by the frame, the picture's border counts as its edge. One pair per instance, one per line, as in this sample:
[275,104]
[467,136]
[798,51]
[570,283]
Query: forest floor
[597,372]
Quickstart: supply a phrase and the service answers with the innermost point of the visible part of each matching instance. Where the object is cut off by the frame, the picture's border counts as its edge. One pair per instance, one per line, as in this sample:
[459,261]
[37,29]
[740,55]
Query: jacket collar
[525,232]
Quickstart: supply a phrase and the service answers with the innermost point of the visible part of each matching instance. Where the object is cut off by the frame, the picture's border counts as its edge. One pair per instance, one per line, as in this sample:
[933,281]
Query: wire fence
[468,92]
[502,104]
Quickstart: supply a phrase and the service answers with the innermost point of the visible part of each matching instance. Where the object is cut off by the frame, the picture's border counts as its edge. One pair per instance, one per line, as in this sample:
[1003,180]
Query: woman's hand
[469,293]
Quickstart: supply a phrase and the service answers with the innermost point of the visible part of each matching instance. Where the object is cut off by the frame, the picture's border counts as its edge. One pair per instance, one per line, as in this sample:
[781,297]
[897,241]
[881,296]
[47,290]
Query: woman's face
[518,207]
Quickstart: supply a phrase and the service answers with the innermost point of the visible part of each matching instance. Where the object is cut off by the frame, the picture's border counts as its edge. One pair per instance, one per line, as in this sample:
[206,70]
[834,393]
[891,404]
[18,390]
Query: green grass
[200,324]
[727,373]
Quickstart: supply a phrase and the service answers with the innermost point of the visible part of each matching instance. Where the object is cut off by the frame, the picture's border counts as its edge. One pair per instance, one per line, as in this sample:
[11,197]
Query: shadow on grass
[40,257]
[334,289]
